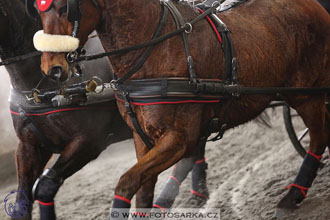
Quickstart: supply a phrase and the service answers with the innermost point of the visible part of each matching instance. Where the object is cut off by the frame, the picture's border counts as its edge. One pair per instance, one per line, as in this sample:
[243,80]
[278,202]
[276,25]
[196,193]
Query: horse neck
[128,22]
[16,39]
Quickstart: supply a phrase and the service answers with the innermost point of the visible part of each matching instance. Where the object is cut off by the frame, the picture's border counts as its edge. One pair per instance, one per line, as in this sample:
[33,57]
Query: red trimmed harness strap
[123,199]
[175,179]
[201,161]
[302,188]
[212,25]
[46,203]
[198,194]
[63,110]
[318,157]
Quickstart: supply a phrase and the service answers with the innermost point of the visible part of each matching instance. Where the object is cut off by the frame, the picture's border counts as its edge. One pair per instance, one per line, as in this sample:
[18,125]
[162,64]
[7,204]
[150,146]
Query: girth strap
[136,124]
[40,136]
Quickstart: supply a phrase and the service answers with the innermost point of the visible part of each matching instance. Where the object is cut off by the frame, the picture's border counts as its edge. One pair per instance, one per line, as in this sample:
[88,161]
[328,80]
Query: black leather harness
[27,108]
[176,90]
[168,89]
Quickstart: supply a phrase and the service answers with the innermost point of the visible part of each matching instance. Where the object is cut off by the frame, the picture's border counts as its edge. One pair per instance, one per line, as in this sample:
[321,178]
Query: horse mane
[229,4]
[226,4]
[19,26]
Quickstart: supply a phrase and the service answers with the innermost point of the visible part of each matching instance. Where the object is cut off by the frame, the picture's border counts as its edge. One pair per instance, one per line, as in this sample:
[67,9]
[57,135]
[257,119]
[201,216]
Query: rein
[20,58]
[186,28]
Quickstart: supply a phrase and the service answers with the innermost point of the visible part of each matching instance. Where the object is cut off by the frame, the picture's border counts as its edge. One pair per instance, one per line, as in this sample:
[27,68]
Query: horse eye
[62,10]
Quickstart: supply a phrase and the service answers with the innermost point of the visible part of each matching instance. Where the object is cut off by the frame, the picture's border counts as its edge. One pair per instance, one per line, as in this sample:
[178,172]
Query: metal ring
[72,56]
[100,81]
[113,84]
[216,2]
[190,28]
[82,51]
[69,58]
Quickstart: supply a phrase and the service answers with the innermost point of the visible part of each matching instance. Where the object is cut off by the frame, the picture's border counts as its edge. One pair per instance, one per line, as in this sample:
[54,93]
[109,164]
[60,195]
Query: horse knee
[46,186]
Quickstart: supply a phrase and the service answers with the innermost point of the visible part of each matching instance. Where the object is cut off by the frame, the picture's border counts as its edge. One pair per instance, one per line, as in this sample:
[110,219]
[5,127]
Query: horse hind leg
[316,117]
[168,194]
[197,165]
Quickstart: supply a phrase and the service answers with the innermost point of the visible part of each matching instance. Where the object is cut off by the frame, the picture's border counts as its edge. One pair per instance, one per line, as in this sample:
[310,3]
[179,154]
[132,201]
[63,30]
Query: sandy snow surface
[248,170]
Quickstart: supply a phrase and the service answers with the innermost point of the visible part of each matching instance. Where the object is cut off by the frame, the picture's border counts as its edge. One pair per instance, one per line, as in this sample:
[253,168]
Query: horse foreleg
[30,161]
[316,118]
[76,155]
[145,195]
[169,148]
[197,165]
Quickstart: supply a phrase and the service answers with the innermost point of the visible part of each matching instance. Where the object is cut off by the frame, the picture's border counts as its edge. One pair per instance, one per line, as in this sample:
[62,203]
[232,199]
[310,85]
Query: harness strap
[181,23]
[149,43]
[20,58]
[136,123]
[41,137]
[147,52]
[226,43]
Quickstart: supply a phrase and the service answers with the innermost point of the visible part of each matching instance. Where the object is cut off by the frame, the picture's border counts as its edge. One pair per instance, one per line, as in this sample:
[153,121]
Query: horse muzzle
[56,73]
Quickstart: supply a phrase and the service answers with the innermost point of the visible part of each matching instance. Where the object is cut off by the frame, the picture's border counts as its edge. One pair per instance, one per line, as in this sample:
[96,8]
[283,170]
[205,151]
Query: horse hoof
[281,213]
[288,203]
[196,201]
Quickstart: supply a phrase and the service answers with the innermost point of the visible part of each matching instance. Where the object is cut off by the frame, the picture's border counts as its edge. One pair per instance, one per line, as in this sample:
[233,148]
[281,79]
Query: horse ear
[74,10]
[30,9]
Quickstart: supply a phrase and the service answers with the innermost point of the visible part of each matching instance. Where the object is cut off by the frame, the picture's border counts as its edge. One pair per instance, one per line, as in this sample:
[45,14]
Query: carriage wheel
[297,131]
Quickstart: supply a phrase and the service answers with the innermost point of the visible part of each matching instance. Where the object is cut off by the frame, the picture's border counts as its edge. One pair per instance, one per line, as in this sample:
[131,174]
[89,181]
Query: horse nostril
[56,72]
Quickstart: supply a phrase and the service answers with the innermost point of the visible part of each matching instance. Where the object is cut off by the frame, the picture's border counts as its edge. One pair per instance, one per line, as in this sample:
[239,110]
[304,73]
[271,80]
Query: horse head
[67,24]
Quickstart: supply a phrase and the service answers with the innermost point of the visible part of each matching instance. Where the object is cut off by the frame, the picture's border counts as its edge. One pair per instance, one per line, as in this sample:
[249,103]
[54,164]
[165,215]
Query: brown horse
[79,136]
[283,43]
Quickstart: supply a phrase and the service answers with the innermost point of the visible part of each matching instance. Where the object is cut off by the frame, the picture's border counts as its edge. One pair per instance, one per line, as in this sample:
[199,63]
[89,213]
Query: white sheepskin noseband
[54,43]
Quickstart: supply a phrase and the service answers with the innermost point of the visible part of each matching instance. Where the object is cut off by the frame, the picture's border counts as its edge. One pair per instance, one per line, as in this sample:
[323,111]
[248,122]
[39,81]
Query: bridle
[74,11]
[74,14]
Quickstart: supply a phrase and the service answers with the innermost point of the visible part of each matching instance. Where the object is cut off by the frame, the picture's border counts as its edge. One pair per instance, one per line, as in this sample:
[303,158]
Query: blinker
[44,5]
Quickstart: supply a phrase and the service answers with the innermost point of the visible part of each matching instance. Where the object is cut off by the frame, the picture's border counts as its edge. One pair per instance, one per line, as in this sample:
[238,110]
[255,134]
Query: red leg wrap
[302,189]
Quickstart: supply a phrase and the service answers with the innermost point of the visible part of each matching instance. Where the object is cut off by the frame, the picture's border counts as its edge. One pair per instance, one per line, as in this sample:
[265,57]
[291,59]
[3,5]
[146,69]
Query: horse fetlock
[46,186]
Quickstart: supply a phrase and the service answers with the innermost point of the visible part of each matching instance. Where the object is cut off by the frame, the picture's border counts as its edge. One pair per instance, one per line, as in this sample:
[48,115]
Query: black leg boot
[199,189]
[298,190]
[120,208]
[44,191]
